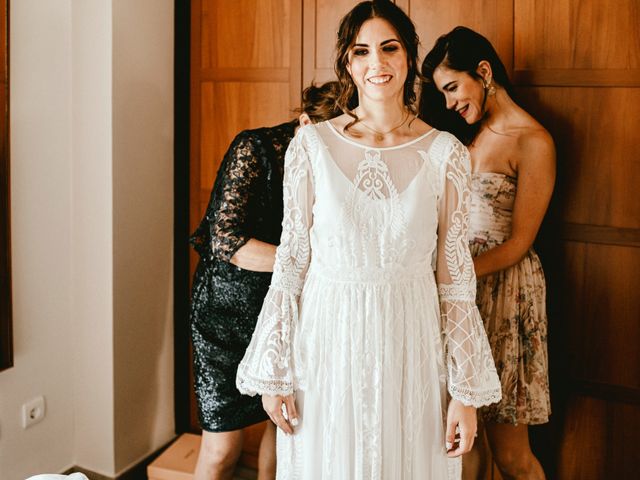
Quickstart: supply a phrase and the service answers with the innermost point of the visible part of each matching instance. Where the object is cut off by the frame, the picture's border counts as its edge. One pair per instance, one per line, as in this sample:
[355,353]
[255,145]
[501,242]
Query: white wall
[92,234]
[41,145]
[92,206]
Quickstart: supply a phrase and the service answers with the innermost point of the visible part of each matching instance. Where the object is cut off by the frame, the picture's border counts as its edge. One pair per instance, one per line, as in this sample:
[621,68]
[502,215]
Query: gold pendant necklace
[379,136]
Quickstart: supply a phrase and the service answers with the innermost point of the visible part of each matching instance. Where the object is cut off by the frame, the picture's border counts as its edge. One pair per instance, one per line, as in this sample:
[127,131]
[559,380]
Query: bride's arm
[269,364]
[472,377]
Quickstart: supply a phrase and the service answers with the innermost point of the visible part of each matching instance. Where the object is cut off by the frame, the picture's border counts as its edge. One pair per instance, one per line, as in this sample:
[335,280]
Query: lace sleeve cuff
[452,293]
[268,364]
[475,398]
[472,373]
[247,385]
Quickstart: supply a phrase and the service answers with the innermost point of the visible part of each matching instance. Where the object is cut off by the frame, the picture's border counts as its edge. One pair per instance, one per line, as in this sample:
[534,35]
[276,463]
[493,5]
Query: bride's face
[377,61]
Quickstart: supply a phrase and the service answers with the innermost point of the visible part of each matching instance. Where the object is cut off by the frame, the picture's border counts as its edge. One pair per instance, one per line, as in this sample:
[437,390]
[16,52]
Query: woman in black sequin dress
[236,241]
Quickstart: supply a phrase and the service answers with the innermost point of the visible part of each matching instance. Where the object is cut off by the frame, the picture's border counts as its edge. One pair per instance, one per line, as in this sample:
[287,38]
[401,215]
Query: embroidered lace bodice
[360,215]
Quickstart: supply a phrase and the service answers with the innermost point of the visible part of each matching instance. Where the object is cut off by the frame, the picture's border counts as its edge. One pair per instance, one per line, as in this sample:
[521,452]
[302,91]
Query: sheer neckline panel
[380,173]
[371,147]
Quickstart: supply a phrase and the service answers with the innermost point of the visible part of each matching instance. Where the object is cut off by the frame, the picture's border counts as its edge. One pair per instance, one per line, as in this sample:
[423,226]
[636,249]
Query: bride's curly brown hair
[350,26]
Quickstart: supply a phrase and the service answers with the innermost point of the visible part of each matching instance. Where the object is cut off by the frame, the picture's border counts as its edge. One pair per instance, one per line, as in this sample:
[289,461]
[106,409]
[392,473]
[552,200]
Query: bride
[372,365]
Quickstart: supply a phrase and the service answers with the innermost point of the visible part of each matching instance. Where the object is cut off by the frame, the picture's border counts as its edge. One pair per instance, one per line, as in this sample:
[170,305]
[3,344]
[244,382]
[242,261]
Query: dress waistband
[373,275]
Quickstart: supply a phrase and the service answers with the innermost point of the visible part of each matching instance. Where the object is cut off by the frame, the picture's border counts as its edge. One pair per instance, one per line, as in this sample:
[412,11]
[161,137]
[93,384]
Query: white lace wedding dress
[356,323]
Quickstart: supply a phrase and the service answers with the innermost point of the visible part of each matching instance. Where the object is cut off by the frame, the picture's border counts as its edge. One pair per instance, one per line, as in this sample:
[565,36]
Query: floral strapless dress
[512,306]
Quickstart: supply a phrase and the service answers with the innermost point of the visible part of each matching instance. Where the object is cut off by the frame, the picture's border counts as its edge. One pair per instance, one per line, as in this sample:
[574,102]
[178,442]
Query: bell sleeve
[471,373]
[268,365]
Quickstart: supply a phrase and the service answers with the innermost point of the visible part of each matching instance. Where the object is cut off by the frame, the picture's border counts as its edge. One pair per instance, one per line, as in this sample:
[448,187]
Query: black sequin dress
[246,202]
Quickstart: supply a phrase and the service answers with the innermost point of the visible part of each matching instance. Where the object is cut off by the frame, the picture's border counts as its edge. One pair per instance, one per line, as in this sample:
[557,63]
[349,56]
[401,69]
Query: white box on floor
[178,462]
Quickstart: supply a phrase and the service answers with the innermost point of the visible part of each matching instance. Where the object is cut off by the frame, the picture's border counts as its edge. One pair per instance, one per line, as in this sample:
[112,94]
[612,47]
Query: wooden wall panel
[577,43]
[598,160]
[584,431]
[577,69]
[576,232]
[599,440]
[321,22]
[328,15]
[595,34]
[493,18]
[579,77]
[601,313]
[432,19]
[246,33]
[227,108]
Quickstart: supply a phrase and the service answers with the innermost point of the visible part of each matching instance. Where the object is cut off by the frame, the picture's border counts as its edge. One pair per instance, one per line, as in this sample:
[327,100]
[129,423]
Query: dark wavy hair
[320,101]
[350,26]
[462,49]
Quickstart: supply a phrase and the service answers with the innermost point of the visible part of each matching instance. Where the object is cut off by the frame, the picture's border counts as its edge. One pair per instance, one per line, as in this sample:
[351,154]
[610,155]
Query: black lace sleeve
[224,228]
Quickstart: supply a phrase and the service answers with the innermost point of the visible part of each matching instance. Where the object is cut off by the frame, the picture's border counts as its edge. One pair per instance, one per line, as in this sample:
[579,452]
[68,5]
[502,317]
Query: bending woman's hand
[255,255]
[463,417]
[285,420]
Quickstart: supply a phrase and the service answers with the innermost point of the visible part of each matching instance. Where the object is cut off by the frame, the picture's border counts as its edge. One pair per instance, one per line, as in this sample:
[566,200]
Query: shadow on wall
[545,439]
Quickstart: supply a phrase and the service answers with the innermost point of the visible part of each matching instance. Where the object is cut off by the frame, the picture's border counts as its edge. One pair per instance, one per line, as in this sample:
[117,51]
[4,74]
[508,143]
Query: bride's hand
[273,407]
[459,415]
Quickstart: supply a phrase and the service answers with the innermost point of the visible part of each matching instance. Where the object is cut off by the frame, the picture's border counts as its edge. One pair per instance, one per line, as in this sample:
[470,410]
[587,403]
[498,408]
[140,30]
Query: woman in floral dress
[513,161]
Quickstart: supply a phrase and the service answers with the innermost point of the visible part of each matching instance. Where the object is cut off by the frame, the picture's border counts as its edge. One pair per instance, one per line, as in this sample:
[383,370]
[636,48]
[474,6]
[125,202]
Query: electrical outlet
[33,412]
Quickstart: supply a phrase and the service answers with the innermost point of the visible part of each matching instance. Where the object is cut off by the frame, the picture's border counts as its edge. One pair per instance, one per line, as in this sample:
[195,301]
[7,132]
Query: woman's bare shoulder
[531,133]
[535,149]
[534,139]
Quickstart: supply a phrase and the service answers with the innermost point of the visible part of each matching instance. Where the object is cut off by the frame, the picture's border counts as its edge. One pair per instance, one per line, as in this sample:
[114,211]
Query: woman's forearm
[255,255]
[499,258]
